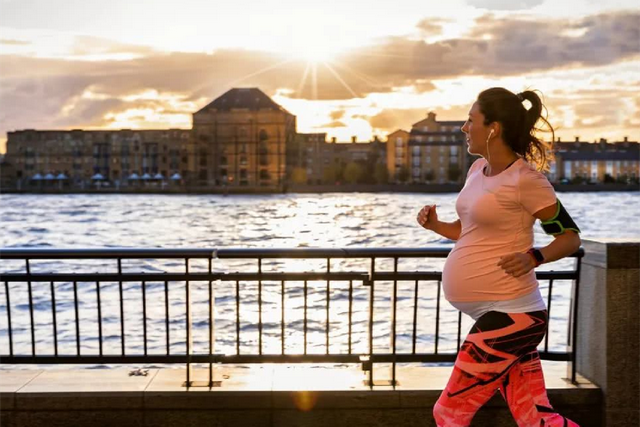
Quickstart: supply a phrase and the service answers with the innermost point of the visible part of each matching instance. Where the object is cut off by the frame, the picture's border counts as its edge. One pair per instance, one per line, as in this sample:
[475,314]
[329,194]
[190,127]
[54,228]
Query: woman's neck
[500,162]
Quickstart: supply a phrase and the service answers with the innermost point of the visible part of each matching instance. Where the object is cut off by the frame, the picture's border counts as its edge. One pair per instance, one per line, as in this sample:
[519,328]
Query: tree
[429,176]
[353,172]
[623,179]
[381,174]
[330,174]
[578,180]
[299,175]
[403,174]
[608,179]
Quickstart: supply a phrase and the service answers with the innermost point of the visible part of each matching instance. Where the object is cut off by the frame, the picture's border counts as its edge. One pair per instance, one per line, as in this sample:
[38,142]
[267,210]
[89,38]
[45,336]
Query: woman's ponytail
[519,114]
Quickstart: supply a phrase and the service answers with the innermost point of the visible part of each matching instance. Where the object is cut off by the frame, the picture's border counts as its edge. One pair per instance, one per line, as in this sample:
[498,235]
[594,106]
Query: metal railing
[365,285]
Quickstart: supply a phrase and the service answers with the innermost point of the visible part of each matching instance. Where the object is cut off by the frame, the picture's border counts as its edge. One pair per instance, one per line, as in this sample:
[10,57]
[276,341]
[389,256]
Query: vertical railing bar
[33,330]
[211,302]
[76,309]
[9,325]
[546,336]
[238,317]
[328,296]
[260,306]
[459,330]
[393,319]
[437,337]
[282,290]
[122,335]
[187,292]
[99,303]
[350,312]
[144,315]
[54,319]
[371,306]
[574,334]
[305,317]
[415,318]
[166,316]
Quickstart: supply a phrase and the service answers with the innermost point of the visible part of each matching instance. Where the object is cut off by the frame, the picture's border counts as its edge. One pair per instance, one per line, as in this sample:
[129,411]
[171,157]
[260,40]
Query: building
[81,158]
[398,154]
[434,152]
[602,161]
[241,139]
[308,157]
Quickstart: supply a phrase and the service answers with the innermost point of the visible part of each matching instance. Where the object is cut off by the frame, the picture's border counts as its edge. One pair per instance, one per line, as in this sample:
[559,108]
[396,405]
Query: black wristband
[537,255]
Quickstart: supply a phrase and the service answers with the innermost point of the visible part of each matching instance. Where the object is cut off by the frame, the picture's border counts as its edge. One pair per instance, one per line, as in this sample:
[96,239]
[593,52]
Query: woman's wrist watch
[537,256]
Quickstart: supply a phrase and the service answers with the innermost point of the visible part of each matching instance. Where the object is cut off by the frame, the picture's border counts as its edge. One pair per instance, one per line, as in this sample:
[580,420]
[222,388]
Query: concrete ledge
[266,395]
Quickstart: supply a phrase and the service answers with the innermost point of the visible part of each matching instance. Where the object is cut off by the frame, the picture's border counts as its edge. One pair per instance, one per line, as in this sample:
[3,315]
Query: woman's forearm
[450,230]
[562,246]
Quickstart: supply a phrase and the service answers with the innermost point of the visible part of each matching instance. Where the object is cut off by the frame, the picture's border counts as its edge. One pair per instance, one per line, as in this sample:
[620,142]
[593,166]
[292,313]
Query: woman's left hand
[517,264]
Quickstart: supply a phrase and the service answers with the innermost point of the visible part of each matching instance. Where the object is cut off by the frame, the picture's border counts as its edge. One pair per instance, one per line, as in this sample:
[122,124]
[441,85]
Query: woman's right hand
[428,217]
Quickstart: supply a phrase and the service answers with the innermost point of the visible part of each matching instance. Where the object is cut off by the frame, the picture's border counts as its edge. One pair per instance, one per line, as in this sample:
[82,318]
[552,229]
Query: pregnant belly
[472,274]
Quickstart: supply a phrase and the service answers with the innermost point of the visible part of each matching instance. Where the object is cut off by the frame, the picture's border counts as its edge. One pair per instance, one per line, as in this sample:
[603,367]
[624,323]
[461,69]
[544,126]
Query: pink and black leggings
[500,353]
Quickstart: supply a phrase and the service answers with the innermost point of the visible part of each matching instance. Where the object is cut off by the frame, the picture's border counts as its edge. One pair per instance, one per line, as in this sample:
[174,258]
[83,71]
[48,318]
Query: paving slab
[239,387]
[10,382]
[84,389]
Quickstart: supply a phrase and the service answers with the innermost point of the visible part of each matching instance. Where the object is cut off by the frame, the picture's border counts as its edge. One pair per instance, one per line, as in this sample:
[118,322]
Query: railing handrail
[230,253]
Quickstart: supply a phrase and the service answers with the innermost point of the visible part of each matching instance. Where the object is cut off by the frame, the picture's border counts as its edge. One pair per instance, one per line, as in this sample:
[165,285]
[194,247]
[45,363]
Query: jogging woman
[489,274]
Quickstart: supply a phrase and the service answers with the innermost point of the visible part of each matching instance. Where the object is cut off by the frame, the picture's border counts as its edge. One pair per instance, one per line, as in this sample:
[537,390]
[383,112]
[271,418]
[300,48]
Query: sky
[348,67]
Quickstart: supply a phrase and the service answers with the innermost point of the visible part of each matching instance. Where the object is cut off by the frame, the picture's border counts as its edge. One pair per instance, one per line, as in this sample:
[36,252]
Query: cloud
[430,26]
[337,114]
[507,46]
[88,45]
[505,4]
[334,124]
[14,42]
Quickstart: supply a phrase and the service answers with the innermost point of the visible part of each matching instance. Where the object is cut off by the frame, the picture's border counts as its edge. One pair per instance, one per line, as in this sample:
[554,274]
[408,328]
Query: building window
[416,151]
[399,141]
[453,150]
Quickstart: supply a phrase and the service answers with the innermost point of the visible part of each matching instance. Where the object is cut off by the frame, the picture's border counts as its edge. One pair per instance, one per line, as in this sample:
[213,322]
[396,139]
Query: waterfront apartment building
[308,157]
[398,155]
[241,139]
[432,152]
[80,157]
[602,161]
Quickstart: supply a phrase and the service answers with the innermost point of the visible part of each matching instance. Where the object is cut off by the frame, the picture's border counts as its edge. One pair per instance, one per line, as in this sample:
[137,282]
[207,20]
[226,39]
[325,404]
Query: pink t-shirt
[497,219]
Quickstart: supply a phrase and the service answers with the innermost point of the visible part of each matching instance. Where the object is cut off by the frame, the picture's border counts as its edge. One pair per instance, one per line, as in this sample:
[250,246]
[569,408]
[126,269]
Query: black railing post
[188,323]
[31,324]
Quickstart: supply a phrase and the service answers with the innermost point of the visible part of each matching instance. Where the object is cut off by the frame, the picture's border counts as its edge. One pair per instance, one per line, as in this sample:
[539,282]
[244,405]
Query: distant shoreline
[312,189]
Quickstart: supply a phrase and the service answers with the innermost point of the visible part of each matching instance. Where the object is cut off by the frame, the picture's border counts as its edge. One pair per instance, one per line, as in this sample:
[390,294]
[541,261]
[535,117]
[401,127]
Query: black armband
[560,222]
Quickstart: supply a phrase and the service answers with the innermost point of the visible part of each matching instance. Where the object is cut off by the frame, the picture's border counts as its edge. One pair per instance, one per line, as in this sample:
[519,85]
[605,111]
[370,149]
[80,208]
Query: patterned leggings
[500,354]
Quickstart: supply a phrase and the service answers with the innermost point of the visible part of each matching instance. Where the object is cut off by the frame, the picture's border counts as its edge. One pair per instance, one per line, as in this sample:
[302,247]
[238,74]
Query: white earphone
[488,154]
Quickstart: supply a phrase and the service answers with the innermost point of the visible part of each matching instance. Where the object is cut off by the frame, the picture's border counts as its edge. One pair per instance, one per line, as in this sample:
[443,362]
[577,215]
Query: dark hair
[519,124]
